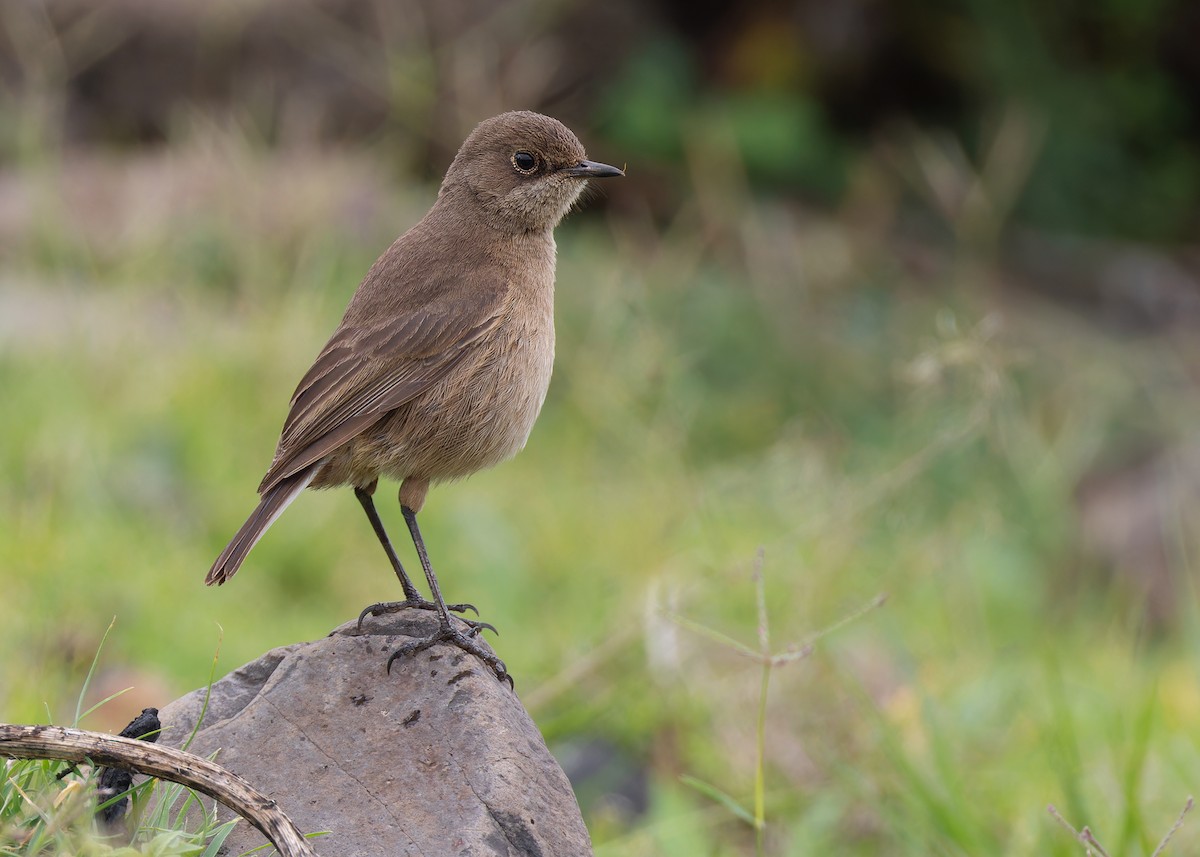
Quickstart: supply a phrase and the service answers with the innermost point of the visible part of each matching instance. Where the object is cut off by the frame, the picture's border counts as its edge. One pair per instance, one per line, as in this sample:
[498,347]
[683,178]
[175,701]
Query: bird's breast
[515,377]
[479,414]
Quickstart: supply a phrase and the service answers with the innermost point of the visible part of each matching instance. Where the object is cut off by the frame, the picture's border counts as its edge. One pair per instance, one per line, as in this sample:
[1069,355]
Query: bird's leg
[446,633]
[412,598]
[368,504]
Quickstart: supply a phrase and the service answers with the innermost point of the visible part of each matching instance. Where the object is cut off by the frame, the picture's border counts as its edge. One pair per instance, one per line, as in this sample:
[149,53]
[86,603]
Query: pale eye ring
[524,162]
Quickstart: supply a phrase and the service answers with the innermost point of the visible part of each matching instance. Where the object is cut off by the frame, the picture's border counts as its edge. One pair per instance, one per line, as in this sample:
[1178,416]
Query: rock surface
[437,758]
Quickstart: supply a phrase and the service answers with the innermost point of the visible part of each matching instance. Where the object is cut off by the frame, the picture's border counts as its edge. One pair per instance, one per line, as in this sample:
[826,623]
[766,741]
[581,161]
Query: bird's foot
[467,642]
[385,608]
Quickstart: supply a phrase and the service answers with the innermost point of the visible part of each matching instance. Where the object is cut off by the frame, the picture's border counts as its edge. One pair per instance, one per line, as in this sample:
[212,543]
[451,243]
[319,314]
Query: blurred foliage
[659,104]
[802,91]
[1113,84]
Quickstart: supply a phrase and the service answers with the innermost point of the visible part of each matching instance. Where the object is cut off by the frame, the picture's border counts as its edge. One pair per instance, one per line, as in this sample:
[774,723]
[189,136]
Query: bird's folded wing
[371,368]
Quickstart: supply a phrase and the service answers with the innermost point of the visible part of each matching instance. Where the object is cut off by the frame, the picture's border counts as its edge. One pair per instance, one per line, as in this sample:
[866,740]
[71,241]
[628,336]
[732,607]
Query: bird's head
[525,170]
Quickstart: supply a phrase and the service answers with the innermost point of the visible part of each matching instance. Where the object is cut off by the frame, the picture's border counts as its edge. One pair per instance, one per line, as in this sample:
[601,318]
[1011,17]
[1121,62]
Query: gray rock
[437,758]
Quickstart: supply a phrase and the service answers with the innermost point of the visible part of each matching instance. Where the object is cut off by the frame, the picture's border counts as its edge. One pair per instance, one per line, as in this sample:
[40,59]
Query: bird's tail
[270,507]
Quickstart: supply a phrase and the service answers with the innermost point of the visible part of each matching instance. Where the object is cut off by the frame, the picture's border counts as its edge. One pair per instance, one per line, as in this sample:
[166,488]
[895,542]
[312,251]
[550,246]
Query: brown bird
[443,358]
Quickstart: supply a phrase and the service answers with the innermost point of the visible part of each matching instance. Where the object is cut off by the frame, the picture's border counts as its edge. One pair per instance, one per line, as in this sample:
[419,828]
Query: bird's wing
[374,366]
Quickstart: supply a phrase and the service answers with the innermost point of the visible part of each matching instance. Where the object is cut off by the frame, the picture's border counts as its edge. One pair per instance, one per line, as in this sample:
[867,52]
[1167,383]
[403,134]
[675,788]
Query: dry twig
[78,745]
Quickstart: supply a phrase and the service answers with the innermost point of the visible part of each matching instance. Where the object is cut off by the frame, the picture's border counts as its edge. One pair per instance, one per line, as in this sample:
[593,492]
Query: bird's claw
[465,642]
[478,627]
[384,608]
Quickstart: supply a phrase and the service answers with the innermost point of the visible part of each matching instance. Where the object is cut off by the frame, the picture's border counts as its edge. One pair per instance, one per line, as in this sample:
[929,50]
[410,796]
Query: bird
[443,358]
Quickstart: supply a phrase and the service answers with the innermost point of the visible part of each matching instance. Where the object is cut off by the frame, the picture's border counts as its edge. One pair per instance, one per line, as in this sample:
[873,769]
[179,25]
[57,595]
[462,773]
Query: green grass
[737,378]
[51,807]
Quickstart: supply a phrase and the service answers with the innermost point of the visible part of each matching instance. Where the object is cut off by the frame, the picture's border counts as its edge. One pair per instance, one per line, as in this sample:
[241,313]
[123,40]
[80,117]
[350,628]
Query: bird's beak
[592,170]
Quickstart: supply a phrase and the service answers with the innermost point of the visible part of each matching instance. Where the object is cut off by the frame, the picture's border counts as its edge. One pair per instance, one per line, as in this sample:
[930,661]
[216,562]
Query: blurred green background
[906,294]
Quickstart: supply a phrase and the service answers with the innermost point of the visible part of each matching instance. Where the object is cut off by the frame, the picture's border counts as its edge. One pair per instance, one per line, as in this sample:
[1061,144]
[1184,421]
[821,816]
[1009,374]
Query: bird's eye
[524,162]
